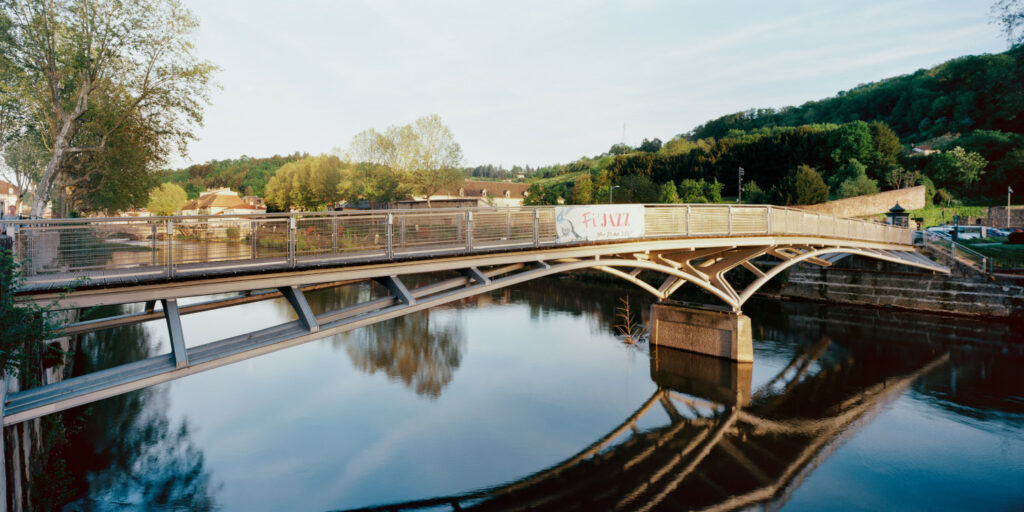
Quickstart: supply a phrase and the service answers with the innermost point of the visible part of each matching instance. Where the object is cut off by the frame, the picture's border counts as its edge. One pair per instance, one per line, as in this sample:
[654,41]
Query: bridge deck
[57,253]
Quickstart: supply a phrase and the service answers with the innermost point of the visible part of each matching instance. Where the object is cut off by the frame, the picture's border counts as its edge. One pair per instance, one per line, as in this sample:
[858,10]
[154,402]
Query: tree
[167,199]
[859,186]
[583,189]
[851,171]
[135,57]
[801,186]
[619,149]
[312,183]
[650,146]
[692,191]
[636,188]
[752,194]
[886,148]
[1009,15]
[669,193]
[425,149]
[852,141]
[956,168]
[26,158]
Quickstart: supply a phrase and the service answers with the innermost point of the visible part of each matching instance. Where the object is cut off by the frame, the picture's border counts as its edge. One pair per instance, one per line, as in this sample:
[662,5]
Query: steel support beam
[397,288]
[298,301]
[174,328]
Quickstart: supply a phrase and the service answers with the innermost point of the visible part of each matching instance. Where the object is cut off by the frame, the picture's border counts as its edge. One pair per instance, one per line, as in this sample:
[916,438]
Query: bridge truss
[673,251]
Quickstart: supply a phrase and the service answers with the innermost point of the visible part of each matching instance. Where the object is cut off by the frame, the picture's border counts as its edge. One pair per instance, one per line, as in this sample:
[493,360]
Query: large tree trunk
[51,174]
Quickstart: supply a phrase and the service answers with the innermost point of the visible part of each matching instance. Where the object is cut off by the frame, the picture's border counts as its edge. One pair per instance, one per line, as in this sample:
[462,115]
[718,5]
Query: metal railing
[110,248]
[943,244]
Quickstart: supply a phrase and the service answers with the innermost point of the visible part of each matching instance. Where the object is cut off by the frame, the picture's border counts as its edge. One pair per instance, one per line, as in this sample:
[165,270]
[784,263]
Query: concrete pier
[719,334]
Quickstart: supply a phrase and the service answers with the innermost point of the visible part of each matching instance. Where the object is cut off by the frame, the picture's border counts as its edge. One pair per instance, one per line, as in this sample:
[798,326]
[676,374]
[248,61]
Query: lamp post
[739,193]
[610,188]
[1009,191]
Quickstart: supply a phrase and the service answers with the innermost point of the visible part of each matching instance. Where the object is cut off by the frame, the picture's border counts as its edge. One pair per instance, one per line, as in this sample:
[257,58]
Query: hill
[976,92]
[243,174]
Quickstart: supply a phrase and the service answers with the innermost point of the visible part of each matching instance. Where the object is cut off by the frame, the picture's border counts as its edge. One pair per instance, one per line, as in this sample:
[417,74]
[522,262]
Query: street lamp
[739,193]
[613,187]
[1009,192]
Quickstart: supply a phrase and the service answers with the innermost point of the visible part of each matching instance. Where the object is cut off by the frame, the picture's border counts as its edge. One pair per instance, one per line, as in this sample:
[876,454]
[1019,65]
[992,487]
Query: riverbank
[856,281]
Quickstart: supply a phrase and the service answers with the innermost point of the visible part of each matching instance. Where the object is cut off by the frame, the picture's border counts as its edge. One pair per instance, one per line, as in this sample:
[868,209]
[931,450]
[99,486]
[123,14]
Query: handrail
[942,242]
[167,246]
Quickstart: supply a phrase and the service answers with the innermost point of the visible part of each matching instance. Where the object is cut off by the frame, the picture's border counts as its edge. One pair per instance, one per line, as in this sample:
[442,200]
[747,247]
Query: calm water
[851,409]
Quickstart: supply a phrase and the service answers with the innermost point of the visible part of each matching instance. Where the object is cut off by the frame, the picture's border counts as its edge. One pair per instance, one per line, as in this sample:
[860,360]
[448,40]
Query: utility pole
[610,188]
[1009,191]
[739,193]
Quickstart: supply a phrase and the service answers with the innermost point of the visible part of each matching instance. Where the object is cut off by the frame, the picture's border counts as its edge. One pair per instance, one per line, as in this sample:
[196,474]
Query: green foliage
[167,199]
[966,93]
[669,193]
[929,187]
[25,328]
[859,186]
[700,191]
[1009,15]
[956,169]
[115,88]
[676,146]
[752,194]
[636,188]
[802,186]
[583,190]
[650,146]
[938,215]
[885,149]
[852,141]
[243,174]
[308,184]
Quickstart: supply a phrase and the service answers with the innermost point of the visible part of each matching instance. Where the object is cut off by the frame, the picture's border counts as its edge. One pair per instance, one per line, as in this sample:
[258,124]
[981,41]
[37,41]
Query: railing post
[768,219]
[390,250]
[252,239]
[401,233]
[291,240]
[508,223]
[152,235]
[169,230]
[687,220]
[469,230]
[819,224]
[536,226]
[729,220]
[334,233]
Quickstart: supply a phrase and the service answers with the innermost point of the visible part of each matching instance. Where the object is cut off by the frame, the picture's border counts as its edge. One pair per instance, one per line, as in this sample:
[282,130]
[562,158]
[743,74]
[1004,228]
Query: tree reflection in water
[124,452]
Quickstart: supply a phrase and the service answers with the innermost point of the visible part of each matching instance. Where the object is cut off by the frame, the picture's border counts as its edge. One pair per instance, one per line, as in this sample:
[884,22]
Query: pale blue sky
[540,82]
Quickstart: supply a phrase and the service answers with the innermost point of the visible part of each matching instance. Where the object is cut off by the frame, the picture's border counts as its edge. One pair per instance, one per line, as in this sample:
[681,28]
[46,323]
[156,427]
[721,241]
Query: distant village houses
[472,194]
[223,201]
[8,196]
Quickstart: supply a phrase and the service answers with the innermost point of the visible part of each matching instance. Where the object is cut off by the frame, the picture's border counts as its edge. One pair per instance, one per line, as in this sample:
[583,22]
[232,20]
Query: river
[855,409]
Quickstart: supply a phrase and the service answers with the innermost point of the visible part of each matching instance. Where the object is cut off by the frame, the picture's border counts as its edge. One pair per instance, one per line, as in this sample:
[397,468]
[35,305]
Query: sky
[541,82]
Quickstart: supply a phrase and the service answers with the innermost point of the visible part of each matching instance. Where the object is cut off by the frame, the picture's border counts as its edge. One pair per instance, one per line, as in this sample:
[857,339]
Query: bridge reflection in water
[721,445]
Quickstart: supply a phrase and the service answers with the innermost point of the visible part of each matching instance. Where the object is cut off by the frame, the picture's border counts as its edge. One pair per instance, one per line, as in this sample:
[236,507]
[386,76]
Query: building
[485,193]
[8,196]
[221,201]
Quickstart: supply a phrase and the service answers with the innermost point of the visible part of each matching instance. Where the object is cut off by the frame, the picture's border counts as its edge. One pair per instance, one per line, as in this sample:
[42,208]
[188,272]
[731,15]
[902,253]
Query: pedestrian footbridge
[449,255]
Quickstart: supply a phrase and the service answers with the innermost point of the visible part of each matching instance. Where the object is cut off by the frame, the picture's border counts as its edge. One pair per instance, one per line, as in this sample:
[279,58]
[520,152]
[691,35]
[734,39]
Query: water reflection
[125,451]
[695,432]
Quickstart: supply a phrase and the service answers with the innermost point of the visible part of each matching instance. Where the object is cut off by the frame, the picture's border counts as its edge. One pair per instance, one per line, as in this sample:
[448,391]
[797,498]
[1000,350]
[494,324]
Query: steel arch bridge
[465,252]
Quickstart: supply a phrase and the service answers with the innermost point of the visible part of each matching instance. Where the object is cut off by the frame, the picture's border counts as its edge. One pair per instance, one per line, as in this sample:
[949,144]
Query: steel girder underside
[704,267]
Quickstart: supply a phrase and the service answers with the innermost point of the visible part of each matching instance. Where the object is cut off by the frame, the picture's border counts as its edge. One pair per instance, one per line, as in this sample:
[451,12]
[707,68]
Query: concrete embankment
[857,281]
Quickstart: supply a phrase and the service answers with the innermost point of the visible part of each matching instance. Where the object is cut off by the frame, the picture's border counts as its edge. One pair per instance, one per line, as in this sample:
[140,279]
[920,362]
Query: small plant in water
[628,327]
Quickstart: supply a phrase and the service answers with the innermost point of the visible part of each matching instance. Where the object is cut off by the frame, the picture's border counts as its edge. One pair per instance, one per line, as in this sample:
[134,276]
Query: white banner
[599,222]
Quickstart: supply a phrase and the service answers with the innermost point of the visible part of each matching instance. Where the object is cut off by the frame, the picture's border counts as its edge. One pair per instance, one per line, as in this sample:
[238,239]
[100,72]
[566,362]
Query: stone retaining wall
[907,290]
[912,198]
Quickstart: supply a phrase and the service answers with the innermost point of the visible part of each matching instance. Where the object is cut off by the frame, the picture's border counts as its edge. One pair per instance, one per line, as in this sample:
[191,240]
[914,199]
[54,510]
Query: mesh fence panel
[749,220]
